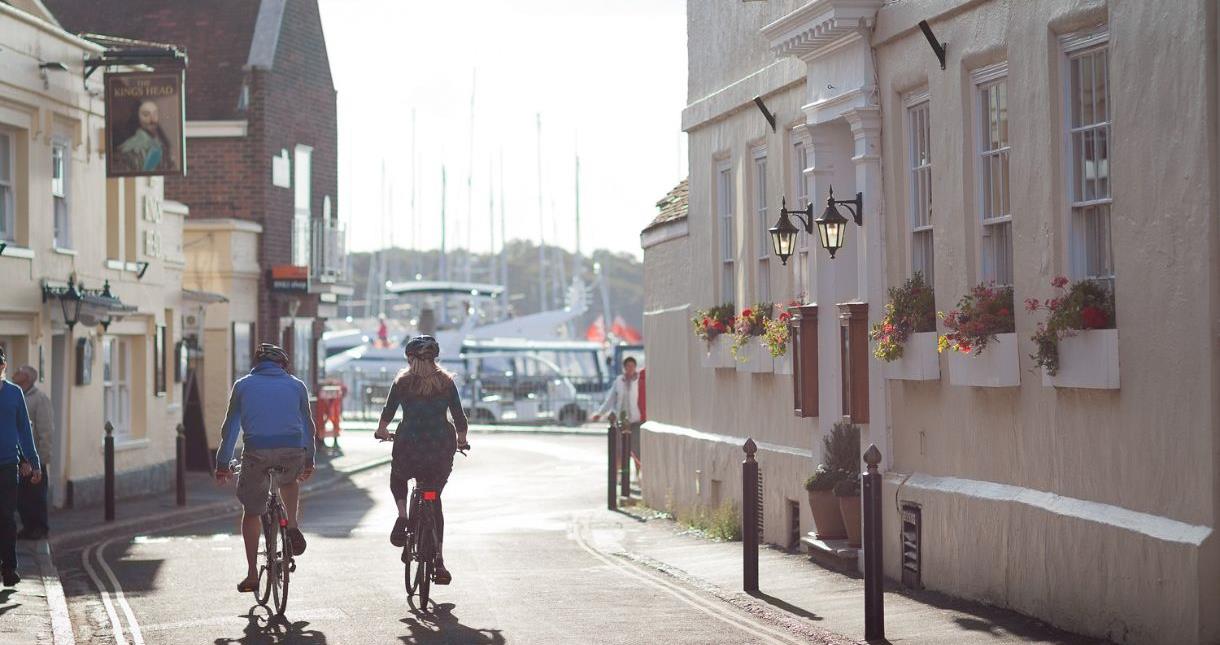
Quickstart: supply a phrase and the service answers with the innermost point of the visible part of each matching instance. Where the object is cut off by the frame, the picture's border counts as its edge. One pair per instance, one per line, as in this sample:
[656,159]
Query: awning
[204,297]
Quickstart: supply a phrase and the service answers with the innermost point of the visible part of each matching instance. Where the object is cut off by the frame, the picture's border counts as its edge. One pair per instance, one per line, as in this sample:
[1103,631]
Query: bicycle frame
[421,546]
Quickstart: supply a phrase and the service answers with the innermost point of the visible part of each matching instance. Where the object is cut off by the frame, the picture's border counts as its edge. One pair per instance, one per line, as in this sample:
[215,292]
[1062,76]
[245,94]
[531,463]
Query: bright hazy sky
[607,76]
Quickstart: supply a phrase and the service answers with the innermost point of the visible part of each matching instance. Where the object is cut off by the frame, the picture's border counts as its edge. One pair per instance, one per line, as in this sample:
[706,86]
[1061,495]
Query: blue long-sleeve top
[271,407]
[16,436]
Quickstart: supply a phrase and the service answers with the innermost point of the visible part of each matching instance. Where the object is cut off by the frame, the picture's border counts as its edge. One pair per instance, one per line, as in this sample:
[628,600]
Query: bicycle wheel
[283,569]
[423,561]
[264,571]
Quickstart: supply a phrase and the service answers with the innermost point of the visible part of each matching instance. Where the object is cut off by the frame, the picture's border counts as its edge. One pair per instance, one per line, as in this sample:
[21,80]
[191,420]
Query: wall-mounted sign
[289,278]
[145,112]
[84,361]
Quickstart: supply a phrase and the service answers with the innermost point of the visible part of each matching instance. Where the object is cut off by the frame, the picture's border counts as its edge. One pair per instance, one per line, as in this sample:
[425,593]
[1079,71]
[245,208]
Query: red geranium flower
[1031,304]
[1093,318]
[1059,282]
[746,313]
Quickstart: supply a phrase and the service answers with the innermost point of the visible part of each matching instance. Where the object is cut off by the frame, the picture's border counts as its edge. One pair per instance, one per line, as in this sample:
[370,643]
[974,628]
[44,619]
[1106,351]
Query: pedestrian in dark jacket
[16,444]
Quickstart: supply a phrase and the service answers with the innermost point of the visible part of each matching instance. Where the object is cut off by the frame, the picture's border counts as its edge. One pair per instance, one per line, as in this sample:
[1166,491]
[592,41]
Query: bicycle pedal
[292,566]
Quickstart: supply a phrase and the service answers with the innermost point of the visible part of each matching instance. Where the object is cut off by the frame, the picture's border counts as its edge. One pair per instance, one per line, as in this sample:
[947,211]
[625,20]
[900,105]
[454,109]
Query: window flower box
[1087,359]
[919,362]
[996,366]
[783,362]
[718,352]
[754,357]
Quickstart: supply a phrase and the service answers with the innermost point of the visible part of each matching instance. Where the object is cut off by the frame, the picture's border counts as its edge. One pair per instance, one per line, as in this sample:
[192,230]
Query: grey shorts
[254,483]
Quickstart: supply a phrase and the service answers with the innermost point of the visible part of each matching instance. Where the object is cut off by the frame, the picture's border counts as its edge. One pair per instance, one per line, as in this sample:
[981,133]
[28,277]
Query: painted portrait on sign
[144,120]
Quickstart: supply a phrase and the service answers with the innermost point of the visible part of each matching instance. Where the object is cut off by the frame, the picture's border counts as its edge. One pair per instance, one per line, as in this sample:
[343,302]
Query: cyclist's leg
[399,488]
[253,489]
[292,463]
[436,479]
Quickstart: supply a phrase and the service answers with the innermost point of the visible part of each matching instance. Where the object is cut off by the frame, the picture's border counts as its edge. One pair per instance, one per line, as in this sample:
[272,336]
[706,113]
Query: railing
[327,260]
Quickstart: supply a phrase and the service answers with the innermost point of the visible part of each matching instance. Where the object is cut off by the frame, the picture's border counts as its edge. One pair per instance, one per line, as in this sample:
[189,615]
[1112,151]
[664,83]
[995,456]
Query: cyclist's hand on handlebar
[223,475]
[383,434]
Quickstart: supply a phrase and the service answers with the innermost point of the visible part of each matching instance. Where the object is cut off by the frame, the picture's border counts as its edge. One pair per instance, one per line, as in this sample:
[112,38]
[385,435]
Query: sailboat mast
[470,177]
[543,301]
[503,244]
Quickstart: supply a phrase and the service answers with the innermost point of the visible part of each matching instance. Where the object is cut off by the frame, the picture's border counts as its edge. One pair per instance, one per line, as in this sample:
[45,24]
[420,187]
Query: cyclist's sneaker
[441,575]
[297,539]
[398,535]
[11,578]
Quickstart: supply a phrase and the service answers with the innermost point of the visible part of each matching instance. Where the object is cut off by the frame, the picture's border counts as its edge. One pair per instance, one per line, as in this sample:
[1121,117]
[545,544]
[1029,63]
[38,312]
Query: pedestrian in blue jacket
[16,444]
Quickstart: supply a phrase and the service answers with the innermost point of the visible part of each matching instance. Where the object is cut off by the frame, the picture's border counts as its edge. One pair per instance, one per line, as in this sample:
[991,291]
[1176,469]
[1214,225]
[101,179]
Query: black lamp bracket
[767,114]
[805,215]
[937,46]
[856,206]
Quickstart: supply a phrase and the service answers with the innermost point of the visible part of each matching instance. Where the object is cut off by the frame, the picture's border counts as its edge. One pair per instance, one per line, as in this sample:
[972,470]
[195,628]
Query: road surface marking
[116,627]
[136,637]
[757,630]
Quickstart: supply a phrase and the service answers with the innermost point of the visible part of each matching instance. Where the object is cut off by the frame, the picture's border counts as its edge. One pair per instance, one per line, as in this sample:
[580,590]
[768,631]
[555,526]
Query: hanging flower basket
[980,342]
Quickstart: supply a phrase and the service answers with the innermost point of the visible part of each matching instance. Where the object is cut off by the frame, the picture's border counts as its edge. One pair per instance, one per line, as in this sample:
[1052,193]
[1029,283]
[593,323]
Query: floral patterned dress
[425,441]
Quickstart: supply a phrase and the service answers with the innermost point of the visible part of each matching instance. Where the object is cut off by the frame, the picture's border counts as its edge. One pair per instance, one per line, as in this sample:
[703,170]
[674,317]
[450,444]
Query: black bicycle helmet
[269,352]
[423,346]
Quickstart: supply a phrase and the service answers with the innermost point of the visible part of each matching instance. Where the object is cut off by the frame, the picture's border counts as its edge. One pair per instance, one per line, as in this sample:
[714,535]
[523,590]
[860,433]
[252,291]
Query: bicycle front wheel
[265,570]
[282,570]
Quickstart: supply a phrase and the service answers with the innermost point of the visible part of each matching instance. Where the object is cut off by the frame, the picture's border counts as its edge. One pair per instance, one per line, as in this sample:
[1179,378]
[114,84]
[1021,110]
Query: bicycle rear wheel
[420,584]
[282,569]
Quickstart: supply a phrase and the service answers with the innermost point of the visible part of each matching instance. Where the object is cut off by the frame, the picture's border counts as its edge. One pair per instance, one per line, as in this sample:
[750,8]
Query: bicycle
[421,542]
[277,559]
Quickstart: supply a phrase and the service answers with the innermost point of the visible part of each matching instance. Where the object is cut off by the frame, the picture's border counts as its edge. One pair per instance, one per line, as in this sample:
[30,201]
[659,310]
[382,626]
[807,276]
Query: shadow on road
[442,626]
[264,627]
[784,605]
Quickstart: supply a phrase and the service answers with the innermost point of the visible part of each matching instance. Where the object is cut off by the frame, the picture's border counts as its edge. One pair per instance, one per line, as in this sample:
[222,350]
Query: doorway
[59,403]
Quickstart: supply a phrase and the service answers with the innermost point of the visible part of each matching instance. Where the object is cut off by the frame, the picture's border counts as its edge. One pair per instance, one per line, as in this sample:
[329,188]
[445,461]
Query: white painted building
[62,219]
[1088,500]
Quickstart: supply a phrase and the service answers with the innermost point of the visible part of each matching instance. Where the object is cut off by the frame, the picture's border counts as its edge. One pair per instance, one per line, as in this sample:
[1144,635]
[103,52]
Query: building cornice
[222,224]
[49,28]
[664,232]
[216,129]
[820,25]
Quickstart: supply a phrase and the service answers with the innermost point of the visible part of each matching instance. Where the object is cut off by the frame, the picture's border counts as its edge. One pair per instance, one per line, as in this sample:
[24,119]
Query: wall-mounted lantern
[832,226]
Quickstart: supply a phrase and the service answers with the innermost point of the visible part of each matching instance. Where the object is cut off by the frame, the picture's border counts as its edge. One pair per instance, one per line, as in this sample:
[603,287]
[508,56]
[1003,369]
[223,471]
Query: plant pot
[753,357]
[997,366]
[1087,359]
[783,363]
[920,361]
[827,518]
[717,352]
[849,507]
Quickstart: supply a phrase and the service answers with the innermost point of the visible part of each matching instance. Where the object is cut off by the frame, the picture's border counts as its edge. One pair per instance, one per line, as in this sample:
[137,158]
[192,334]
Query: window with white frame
[995,254]
[758,184]
[724,208]
[60,158]
[302,336]
[1088,125]
[302,184]
[116,383]
[800,197]
[919,147]
[8,200]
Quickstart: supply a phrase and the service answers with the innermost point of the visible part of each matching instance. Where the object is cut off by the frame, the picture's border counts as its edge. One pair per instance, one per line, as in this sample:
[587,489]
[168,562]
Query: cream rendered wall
[222,257]
[1149,448]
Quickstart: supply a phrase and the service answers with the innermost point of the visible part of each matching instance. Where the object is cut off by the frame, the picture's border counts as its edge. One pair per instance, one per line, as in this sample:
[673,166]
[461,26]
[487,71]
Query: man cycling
[425,441]
[271,407]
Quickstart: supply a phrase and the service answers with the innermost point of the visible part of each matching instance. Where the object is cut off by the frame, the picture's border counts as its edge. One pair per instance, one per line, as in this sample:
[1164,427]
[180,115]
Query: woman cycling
[425,441]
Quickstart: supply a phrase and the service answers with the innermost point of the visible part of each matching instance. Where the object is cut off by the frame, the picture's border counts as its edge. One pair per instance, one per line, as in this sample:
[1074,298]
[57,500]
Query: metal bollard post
[181,465]
[612,440]
[874,608]
[625,460]
[749,519]
[108,466]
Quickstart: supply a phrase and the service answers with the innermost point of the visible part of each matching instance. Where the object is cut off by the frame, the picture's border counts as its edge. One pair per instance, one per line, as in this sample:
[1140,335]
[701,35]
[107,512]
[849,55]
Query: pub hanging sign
[145,113]
[287,278]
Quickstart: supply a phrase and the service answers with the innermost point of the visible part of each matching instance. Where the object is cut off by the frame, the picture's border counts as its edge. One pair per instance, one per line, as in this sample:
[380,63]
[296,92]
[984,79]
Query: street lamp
[832,226]
[69,300]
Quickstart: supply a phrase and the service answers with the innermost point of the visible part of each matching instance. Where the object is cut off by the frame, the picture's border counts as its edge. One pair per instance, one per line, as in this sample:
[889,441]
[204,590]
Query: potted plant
[847,492]
[827,518]
[905,336]
[981,340]
[776,333]
[748,347]
[1077,345]
[711,326]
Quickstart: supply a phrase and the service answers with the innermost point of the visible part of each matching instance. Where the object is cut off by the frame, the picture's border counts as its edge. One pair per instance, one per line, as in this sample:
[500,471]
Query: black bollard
[625,460]
[874,580]
[108,465]
[612,440]
[181,465]
[749,518]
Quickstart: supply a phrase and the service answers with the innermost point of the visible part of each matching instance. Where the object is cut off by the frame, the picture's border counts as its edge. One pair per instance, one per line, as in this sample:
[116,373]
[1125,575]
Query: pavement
[536,558]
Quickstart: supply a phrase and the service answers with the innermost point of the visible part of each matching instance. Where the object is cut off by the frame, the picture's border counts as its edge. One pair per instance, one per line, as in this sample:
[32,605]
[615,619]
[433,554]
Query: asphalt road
[526,538]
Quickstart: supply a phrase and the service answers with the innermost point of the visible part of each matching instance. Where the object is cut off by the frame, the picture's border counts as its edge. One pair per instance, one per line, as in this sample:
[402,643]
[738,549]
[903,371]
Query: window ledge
[11,251]
[122,444]
[117,265]
[64,251]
